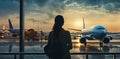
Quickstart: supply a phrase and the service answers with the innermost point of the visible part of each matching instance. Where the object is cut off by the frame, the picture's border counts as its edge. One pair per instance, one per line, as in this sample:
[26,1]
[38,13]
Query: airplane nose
[103,34]
[100,34]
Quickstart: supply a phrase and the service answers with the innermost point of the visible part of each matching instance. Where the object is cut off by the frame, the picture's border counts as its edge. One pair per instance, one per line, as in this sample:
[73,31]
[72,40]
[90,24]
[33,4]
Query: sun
[77,23]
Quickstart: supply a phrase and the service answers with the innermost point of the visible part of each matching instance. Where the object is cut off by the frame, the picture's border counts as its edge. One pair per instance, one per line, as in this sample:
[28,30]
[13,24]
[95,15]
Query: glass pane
[82,19]
[9,26]
[87,35]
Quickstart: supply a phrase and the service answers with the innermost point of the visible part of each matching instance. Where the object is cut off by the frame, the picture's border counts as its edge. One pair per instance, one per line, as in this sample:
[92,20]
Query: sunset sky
[40,14]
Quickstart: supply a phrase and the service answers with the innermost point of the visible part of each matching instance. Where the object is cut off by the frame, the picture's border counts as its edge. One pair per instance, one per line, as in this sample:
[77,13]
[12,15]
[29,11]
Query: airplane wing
[74,29]
[115,34]
[75,34]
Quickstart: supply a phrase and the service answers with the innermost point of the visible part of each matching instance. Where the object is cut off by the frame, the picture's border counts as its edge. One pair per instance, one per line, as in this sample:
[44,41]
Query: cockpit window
[100,28]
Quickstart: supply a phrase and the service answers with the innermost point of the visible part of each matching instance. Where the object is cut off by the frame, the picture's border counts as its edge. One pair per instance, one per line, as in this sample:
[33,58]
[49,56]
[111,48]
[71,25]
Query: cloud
[49,7]
[33,20]
[111,6]
[38,21]
[8,7]
[40,2]
[53,7]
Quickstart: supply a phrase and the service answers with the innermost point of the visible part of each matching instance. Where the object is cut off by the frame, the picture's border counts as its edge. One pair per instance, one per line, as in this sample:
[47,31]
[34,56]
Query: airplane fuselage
[14,30]
[95,32]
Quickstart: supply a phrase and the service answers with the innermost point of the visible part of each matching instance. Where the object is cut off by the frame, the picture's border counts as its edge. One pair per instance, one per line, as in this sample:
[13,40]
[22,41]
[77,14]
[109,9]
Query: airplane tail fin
[83,23]
[10,24]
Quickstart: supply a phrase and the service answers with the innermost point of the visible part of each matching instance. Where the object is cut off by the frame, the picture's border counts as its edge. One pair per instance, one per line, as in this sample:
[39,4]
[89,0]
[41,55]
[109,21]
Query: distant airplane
[98,32]
[14,31]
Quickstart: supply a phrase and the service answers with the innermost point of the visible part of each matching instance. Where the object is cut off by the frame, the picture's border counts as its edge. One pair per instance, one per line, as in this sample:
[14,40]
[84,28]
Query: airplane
[28,32]
[15,31]
[98,32]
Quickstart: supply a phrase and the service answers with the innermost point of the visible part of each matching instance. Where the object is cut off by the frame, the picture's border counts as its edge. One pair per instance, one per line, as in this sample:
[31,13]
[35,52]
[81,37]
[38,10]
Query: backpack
[53,48]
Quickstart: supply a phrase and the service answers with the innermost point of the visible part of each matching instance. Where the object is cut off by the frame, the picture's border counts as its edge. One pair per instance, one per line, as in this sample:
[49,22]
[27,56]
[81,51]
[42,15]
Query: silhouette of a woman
[62,37]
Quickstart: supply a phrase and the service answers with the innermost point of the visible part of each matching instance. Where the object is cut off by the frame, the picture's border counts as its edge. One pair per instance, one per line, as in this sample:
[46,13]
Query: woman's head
[59,21]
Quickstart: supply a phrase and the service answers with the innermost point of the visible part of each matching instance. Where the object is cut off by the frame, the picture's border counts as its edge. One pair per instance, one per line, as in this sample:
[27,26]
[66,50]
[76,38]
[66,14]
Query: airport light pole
[21,41]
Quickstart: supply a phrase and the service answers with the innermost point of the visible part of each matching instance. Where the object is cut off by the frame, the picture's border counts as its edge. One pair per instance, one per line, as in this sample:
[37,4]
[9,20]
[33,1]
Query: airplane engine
[82,40]
[90,38]
[110,37]
[106,40]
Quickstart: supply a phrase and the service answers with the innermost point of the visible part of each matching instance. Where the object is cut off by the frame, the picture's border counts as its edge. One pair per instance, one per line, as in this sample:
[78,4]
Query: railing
[90,53]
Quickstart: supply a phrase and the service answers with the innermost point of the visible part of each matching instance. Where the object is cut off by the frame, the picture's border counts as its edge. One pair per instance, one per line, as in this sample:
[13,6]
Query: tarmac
[37,47]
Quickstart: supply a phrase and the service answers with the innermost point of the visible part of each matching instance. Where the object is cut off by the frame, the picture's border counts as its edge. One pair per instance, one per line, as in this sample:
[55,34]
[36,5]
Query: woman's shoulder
[65,31]
[51,32]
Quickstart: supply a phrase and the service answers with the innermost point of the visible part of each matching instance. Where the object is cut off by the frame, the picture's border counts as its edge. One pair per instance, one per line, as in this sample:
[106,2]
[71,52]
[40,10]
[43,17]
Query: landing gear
[101,45]
[106,40]
[105,47]
[83,40]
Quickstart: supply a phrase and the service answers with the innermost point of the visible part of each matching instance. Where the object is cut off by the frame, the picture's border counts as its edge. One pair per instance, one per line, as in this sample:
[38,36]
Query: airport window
[27,40]
[9,22]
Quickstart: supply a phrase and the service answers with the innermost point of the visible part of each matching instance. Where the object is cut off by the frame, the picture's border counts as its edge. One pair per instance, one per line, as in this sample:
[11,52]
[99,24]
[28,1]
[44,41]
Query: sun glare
[77,24]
